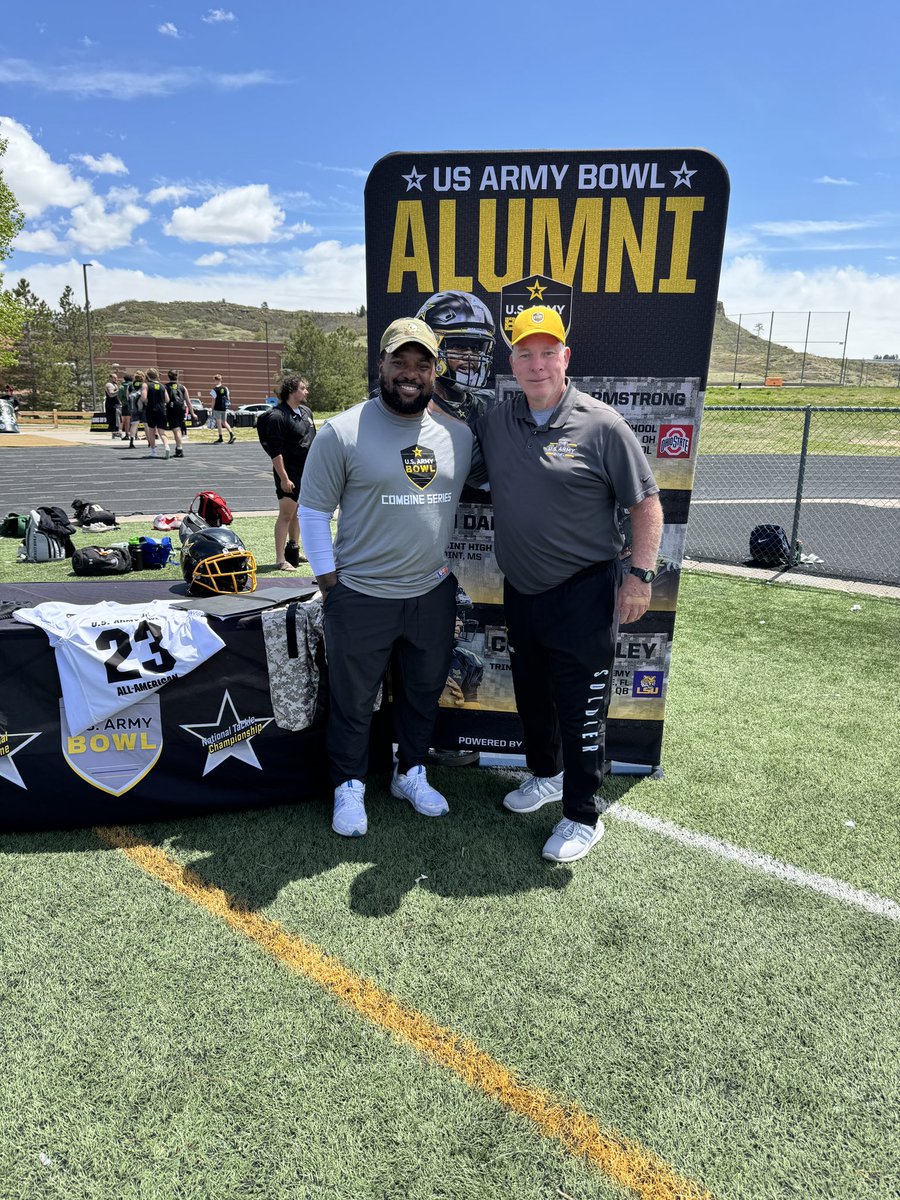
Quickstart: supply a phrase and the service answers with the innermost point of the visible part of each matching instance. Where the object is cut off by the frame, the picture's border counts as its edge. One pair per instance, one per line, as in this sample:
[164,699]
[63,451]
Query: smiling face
[407,377]
[539,365]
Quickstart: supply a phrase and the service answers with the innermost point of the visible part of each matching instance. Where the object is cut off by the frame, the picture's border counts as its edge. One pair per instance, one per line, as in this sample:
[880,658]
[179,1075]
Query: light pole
[87,313]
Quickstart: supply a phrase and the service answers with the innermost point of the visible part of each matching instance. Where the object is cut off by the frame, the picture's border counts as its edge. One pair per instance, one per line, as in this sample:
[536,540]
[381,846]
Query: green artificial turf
[743,1029]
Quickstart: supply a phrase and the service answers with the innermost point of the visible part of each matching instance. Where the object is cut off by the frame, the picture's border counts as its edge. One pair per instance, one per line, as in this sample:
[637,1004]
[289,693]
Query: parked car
[246,415]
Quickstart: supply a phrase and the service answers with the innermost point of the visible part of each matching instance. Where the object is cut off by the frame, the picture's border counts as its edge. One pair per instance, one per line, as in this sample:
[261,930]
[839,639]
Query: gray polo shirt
[397,481]
[555,489]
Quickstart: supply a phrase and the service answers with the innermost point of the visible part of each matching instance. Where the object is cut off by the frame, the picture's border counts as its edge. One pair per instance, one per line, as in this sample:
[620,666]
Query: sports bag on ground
[14,525]
[48,535]
[149,554]
[87,513]
[770,546]
[212,508]
[101,560]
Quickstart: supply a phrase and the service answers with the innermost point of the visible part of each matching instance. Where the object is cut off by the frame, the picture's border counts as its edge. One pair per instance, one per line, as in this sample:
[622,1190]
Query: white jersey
[109,655]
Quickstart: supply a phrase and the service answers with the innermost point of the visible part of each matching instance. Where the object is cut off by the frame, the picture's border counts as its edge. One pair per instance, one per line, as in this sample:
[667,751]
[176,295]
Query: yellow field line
[621,1158]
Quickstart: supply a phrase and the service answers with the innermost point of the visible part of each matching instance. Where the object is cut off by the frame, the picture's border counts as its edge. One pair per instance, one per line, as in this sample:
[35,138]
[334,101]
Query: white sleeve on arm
[315,534]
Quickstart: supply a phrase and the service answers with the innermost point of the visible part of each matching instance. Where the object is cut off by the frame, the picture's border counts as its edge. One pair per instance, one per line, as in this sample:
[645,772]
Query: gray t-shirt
[397,481]
[555,489]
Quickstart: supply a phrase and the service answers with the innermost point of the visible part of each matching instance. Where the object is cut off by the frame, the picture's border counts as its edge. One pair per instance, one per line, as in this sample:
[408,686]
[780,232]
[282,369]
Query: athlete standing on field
[396,472]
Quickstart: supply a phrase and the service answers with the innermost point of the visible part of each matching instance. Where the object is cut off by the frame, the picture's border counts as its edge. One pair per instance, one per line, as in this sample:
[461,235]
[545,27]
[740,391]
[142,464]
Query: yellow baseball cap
[408,329]
[538,319]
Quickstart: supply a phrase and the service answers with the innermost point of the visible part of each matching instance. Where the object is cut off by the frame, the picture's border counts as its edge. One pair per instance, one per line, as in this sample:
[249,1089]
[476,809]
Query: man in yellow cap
[559,464]
[396,472]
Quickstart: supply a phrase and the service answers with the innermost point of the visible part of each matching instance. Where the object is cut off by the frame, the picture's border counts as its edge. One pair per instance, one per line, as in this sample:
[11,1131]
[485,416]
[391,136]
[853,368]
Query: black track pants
[562,646]
[362,635]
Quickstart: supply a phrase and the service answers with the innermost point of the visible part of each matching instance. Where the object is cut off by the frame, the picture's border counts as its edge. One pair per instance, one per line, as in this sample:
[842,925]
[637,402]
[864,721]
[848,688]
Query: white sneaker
[414,787]
[153,452]
[349,819]
[571,840]
[534,792]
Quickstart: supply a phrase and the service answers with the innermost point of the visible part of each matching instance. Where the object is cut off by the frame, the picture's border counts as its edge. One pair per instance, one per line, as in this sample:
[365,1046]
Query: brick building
[248,369]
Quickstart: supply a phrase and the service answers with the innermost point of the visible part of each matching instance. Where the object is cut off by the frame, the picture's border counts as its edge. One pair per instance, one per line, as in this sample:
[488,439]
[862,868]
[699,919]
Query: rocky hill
[239,322]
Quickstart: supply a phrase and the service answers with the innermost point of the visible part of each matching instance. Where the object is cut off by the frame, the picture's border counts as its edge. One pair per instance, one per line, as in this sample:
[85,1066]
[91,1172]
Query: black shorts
[156,416]
[281,493]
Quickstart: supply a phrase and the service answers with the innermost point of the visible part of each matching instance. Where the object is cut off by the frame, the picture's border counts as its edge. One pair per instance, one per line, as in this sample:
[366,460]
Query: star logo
[683,175]
[229,736]
[536,290]
[10,745]
[413,180]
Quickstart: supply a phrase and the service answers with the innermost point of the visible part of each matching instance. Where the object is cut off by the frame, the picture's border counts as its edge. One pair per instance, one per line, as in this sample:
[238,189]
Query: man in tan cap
[560,462]
[396,472]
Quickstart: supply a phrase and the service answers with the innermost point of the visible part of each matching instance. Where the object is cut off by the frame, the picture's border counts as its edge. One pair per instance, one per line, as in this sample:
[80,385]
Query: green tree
[70,325]
[11,314]
[38,372]
[334,363]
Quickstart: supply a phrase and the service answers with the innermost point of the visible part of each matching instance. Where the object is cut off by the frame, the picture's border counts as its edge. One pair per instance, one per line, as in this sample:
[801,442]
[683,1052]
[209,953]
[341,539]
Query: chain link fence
[829,476]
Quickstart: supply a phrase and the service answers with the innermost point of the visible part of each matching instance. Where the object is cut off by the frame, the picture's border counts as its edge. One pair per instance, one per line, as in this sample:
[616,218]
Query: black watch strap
[645,576]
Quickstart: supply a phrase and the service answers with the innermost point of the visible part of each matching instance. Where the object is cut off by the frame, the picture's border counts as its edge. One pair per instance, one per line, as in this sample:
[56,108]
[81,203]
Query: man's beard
[399,404]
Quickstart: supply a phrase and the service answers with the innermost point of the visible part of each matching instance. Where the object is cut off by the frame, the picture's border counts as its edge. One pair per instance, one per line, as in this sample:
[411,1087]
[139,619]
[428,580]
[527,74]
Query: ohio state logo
[674,441]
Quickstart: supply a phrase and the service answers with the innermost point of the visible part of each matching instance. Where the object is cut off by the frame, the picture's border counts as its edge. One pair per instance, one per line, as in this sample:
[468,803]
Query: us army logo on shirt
[420,465]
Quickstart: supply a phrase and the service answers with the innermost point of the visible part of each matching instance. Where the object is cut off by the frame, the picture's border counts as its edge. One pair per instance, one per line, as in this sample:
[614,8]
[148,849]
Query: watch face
[647,576]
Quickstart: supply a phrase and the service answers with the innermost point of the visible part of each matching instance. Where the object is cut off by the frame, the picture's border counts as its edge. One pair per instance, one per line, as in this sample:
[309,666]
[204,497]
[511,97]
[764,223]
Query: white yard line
[763,863]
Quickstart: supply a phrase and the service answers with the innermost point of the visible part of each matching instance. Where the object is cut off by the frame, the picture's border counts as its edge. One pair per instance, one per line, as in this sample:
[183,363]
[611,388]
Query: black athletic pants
[363,634]
[562,646]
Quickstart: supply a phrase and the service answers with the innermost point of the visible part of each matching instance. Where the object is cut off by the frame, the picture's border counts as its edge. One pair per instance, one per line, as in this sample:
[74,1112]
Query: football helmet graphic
[216,562]
[464,329]
[466,625]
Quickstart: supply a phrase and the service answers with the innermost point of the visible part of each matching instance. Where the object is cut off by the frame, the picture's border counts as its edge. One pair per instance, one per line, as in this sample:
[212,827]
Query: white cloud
[166,192]
[240,216]
[326,278]
[839,182]
[96,229]
[748,285]
[218,15]
[167,29]
[106,164]
[40,241]
[789,229]
[36,180]
[110,83]
[210,260]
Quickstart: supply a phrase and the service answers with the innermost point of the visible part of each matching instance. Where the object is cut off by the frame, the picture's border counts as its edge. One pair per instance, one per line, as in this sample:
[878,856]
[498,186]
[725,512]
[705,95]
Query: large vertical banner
[626,245]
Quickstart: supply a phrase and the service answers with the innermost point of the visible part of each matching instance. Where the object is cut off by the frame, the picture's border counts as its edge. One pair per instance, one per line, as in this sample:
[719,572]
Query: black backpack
[100,560]
[88,513]
[771,547]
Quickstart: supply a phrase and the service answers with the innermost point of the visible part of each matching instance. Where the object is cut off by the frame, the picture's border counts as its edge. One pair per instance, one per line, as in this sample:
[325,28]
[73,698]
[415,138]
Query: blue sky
[194,152]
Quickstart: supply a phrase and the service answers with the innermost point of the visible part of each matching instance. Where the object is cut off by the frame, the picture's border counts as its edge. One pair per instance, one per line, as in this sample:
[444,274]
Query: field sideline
[248,1006]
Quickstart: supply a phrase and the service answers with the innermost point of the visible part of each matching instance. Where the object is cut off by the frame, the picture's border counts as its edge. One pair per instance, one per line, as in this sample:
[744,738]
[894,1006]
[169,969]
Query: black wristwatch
[644,576]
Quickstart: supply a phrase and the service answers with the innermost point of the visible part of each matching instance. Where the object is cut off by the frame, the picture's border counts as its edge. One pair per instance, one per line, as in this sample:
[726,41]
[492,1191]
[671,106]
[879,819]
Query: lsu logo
[532,290]
[674,441]
[419,465]
[647,685]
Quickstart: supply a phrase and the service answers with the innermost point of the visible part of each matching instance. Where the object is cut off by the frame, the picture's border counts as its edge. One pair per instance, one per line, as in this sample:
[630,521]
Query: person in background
[153,398]
[560,462]
[126,407]
[111,405]
[178,408]
[221,399]
[287,434]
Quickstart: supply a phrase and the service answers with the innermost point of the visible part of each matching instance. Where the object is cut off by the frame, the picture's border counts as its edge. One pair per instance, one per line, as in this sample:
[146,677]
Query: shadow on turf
[478,850]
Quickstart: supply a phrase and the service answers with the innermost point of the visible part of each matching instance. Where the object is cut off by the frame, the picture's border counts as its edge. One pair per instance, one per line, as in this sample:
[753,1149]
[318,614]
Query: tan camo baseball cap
[408,329]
